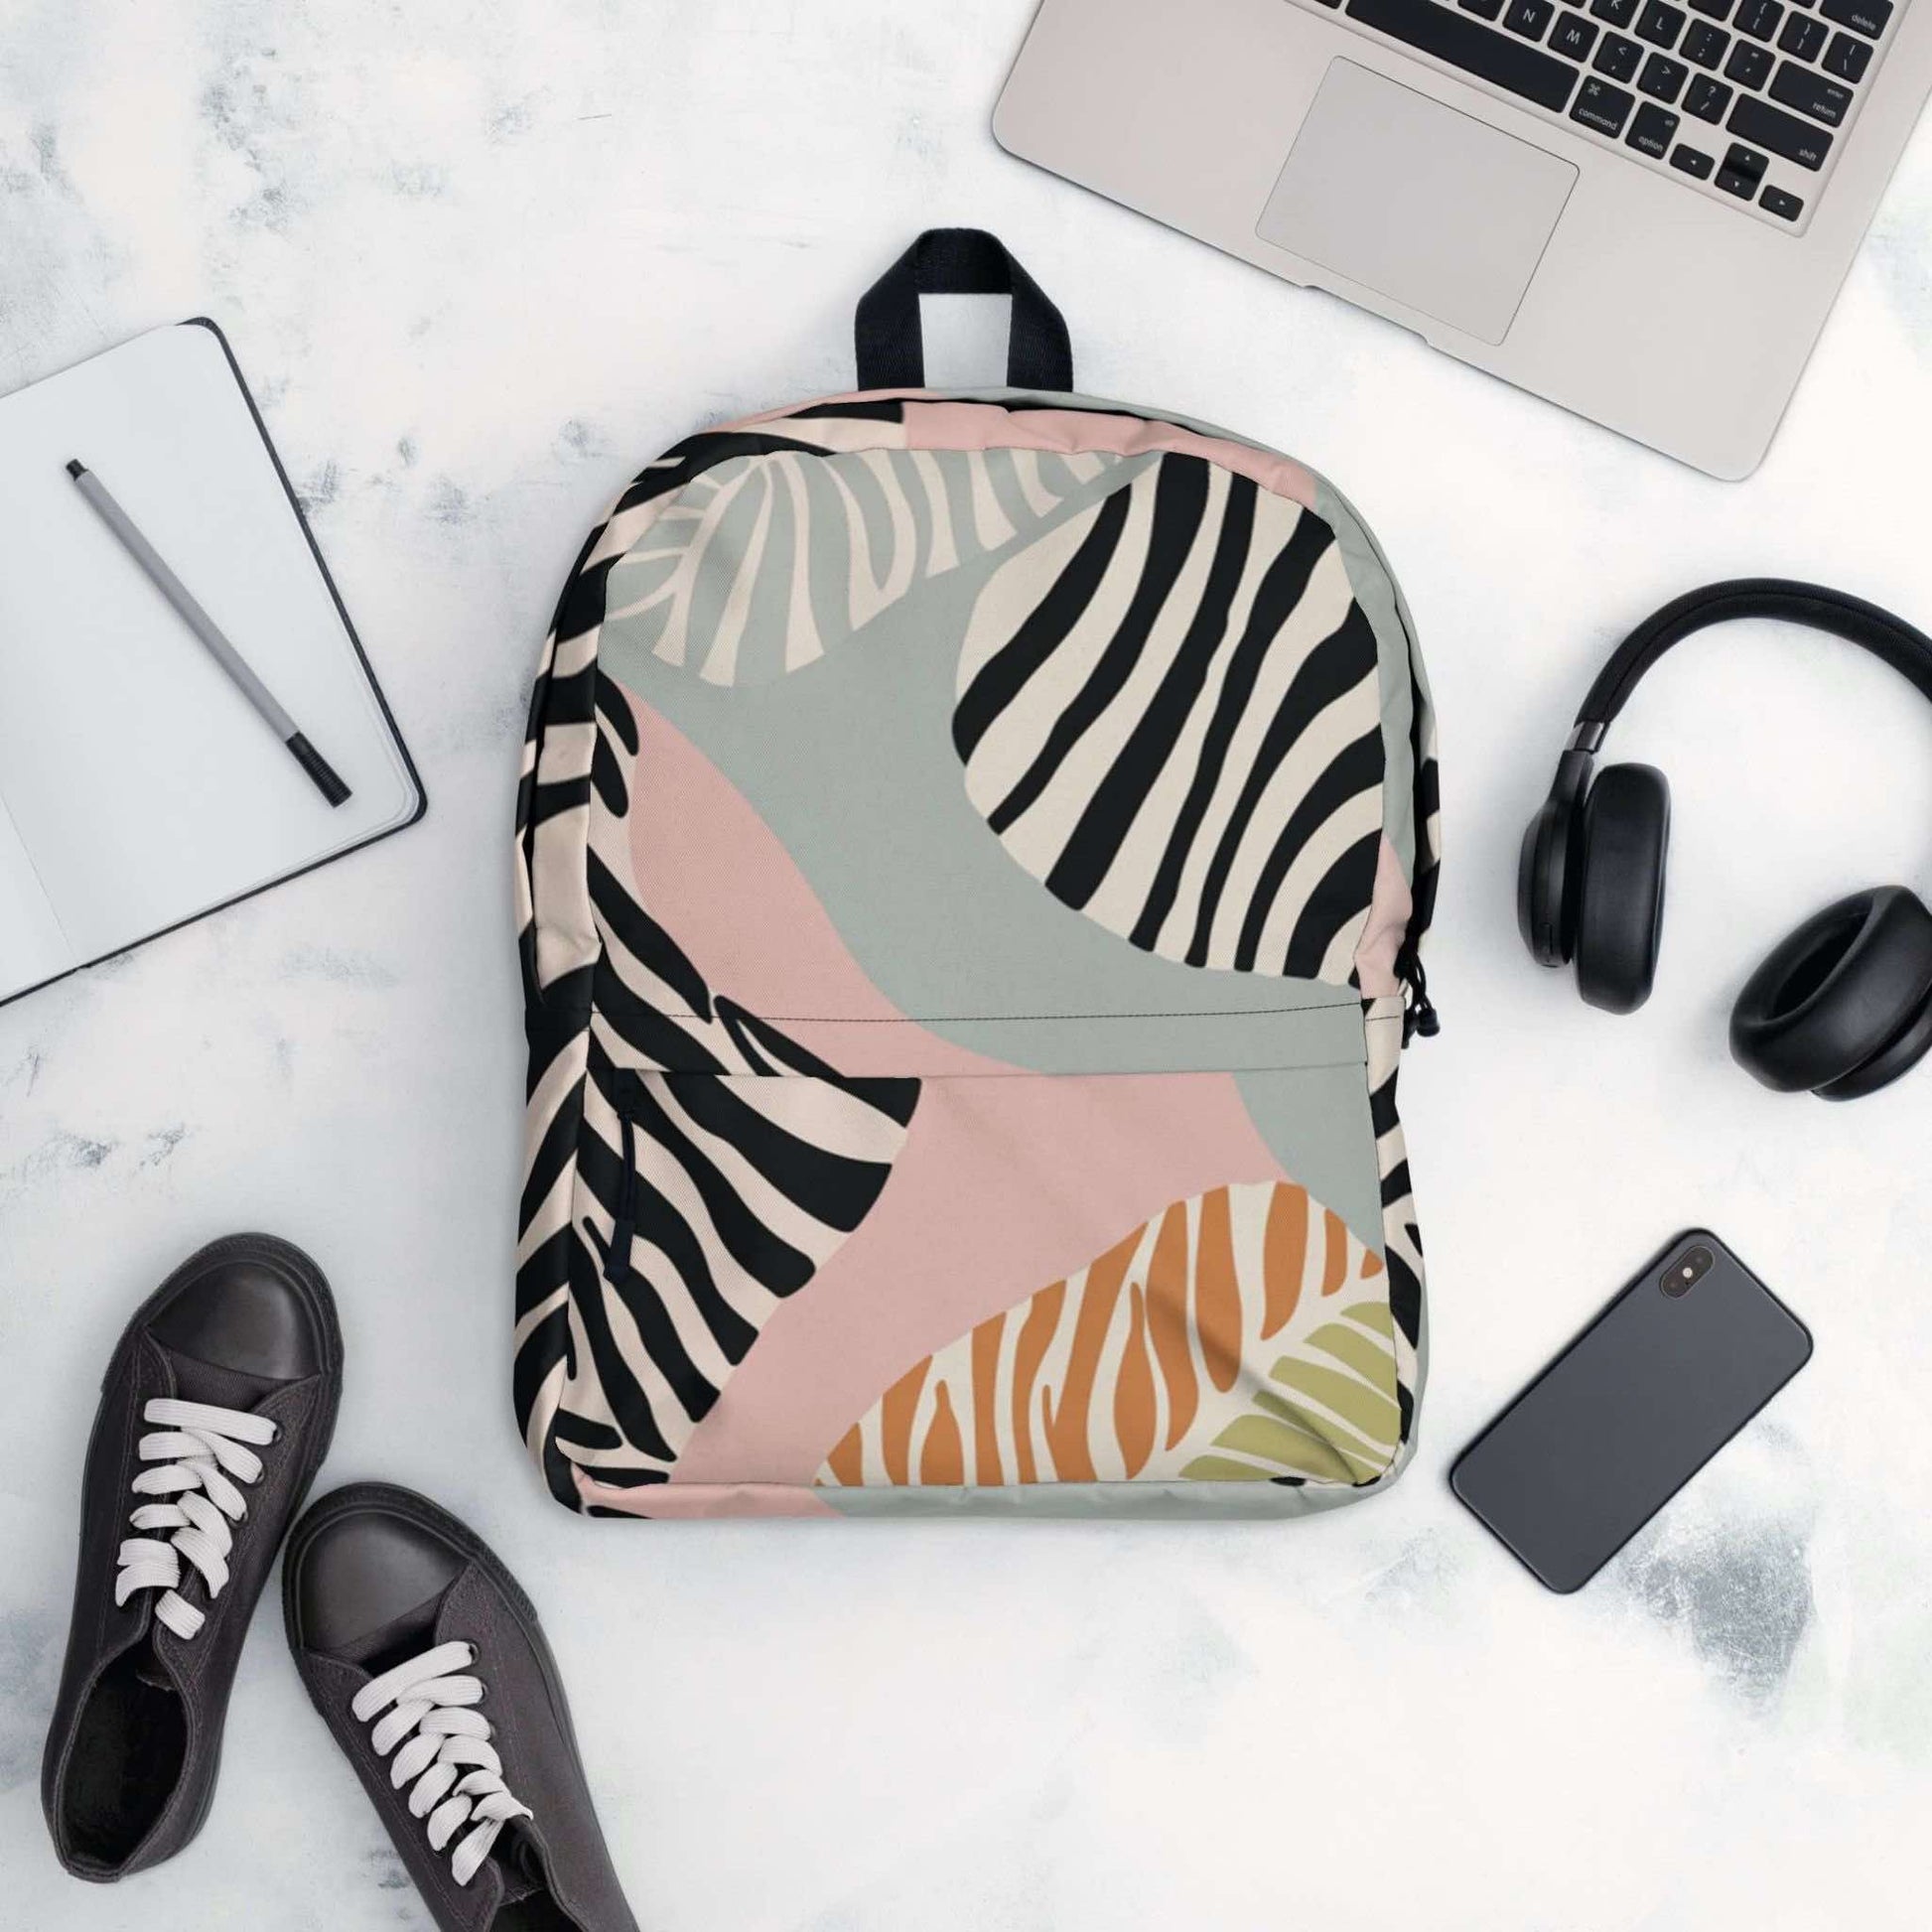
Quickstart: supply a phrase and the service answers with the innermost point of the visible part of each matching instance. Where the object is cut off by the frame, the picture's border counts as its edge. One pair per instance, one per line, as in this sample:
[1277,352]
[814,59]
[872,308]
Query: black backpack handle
[958,261]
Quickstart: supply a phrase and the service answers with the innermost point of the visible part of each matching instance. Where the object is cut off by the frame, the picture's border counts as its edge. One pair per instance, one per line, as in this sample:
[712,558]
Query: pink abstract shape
[780,414]
[934,425]
[1070,432]
[1389,909]
[661,1500]
[1003,1185]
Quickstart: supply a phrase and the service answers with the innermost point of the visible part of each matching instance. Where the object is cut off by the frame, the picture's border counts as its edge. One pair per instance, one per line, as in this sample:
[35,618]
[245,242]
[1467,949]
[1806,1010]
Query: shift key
[1765,126]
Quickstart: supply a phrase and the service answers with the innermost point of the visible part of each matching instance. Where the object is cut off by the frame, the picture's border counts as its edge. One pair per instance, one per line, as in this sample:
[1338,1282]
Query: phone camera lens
[1687,1271]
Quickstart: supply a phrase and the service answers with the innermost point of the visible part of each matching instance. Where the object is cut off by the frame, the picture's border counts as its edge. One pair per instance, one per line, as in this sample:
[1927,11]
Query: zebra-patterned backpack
[972,852]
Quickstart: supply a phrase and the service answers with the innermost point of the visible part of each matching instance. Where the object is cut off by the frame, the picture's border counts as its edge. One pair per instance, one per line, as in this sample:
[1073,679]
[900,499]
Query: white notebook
[138,787]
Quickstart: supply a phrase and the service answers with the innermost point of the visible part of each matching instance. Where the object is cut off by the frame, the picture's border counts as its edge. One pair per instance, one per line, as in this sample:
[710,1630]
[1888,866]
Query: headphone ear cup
[1620,901]
[1844,1004]
[1539,884]
[1546,874]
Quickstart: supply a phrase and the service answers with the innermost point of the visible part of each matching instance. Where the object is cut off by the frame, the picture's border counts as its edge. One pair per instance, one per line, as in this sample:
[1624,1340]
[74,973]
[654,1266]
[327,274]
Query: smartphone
[1663,1378]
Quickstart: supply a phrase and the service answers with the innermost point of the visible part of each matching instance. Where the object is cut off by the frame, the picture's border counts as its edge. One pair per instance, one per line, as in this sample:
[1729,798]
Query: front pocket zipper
[1418,1016]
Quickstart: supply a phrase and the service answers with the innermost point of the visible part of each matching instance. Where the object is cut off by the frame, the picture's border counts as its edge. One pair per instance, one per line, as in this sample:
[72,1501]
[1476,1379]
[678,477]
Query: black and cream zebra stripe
[700,1192]
[1173,721]
[766,563]
[621,1346]
[1402,1237]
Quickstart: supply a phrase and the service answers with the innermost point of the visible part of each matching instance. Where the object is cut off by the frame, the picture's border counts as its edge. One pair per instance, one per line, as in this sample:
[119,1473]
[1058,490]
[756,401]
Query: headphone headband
[1889,639]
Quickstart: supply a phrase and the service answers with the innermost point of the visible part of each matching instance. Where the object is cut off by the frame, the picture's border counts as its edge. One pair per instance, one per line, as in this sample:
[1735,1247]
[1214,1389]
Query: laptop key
[1574,36]
[1488,9]
[1694,162]
[1780,203]
[1867,17]
[1811,94]
[1530,18]
[1801,140]
[1652,132]
[1749,66]
[1619,13]
[1713,9]
[1661,78]
[1803,37]
[1743,170]
[1759,18]
[1661,23]
[1601,106]
[1847,59]
[1708,98]
[1618,58]
[1703,46]
[1496,58]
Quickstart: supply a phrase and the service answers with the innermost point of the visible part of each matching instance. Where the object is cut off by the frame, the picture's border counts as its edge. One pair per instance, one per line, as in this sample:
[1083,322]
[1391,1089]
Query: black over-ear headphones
[1843,1006]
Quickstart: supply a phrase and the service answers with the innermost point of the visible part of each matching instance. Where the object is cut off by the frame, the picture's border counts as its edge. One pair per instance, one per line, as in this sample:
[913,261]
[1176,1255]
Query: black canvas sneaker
[426,1662]
[214,1415]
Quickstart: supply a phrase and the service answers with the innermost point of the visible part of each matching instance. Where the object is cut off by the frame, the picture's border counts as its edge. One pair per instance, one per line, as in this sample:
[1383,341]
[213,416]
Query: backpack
[971,852]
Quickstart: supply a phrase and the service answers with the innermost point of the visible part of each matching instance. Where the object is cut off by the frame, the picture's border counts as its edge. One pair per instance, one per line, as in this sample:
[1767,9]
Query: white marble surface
[480,258]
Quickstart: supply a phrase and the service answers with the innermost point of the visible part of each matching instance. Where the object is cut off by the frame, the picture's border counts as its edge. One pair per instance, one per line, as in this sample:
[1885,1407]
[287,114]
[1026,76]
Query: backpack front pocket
[813,1290]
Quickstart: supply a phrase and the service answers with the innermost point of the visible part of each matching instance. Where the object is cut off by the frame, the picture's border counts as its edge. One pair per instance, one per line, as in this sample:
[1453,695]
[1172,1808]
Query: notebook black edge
[361,657]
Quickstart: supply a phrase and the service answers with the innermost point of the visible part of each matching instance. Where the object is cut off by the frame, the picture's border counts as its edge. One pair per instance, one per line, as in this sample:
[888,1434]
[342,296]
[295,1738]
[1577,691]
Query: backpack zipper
[1419,1015]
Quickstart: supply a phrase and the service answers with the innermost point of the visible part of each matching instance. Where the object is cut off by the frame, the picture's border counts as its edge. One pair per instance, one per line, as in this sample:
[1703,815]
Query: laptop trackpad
[1431,207]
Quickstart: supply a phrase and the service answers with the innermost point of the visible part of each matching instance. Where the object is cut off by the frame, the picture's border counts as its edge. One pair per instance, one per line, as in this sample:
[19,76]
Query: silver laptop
[1641,210]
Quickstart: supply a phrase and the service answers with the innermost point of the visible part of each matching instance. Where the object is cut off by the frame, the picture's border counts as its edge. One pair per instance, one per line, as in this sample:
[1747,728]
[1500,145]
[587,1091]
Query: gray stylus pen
[197,621]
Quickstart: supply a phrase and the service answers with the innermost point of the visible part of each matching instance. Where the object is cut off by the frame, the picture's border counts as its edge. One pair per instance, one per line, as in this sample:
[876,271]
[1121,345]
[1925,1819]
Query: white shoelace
[432,1700]
[200,1449]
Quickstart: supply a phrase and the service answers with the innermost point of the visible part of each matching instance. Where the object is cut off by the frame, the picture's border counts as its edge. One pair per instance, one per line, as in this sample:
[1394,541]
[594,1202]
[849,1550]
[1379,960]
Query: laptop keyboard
[1743,99]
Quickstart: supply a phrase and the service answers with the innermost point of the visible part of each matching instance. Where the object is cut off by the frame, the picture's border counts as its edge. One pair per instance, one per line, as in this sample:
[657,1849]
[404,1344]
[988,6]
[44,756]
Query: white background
[481,258]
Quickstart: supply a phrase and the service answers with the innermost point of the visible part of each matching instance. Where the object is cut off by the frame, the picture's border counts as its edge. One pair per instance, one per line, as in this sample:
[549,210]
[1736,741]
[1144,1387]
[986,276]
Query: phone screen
[1672,1368]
